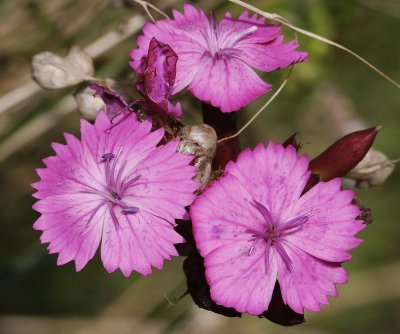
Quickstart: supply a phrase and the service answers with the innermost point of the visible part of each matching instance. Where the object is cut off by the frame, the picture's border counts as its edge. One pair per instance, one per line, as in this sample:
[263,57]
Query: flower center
[115,183]
[112,193]
[271,235]
[275,232]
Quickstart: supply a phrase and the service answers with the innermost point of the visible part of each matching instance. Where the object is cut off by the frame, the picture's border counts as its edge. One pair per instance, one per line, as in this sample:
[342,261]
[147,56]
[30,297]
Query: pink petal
[224,214]
[184,35]
[271,56]
[240,280]
[130,137]
[253,19]
[165,186]
[191,16]
[275,175]
[215,78]
[308,284]
[60,178]
[230,27]
[66,226]
[137,243]
[329,232]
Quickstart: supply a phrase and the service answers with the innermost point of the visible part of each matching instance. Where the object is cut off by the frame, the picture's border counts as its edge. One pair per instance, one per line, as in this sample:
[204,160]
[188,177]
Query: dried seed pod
[88,103]
[51,71]
[201,141]
[372,171]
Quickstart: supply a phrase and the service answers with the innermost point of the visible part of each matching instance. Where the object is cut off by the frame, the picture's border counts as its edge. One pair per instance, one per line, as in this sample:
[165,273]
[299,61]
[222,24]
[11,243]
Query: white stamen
[239,36]
[253,245]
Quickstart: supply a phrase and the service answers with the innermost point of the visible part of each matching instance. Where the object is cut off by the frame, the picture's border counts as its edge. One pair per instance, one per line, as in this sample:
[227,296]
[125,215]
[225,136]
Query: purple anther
[107,157]
[130,210]
[213,20]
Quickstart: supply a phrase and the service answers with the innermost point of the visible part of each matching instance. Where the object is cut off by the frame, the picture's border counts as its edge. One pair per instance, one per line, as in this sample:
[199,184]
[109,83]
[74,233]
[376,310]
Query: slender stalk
[272,98]
[225,125]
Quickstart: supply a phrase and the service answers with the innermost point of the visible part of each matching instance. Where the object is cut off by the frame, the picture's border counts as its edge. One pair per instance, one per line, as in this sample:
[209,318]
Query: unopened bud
[51,71]
[341,157]
[372,171]
[89,103]
[200,141]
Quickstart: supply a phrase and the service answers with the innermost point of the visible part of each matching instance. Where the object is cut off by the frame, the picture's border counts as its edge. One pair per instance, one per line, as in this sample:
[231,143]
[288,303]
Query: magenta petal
[254,19]
[186,41]
[223,214]
[270,56]
[67,225]
[275,175]
[308,284]
[74,180]
[240,280]
[139,242]
[166,178]
[330,230]
[227,85]
[230,27]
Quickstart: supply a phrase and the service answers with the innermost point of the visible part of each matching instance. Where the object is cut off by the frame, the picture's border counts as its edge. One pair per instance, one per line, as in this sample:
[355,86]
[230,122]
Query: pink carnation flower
[118,188]
[254,227]
[215,59]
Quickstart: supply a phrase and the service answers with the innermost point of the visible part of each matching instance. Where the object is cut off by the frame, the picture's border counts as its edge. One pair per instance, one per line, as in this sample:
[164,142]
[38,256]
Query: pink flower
[253,228]
[118,188]
[215,59]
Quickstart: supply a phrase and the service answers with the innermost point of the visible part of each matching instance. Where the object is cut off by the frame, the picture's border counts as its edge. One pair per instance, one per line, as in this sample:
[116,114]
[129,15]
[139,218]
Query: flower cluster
[265,235]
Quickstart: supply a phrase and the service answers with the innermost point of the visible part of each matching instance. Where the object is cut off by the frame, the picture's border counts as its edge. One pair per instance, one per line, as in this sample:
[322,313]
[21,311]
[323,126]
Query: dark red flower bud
[341,157]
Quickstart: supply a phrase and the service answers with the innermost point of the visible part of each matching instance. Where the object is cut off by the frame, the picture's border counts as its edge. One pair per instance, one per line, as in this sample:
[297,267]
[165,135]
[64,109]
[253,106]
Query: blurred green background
[326,97]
